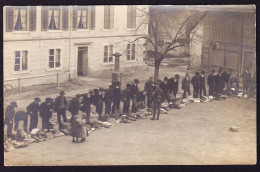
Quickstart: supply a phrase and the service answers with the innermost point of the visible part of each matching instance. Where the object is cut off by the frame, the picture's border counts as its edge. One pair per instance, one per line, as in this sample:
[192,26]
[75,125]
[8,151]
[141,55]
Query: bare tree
[169,28]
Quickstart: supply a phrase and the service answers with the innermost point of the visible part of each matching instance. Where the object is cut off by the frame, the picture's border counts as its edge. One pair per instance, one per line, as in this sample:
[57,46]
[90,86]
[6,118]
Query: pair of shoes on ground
[154,118]
[81,141]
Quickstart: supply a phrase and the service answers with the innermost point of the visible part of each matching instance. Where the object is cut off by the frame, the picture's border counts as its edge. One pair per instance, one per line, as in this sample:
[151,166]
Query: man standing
[176,85]
[226,75]
[202,84]
[246,78]
[195,81]
[9,116]
[74,105]
[117,97]
[46,113]
[108,98]
[21,115]
[98,102]
[157,97]
[86,105]
[165,87]
[126,96]
[60,107]
[218,83]
[186,85]
[148,89]
[211,83]
[33,110]
[135,95]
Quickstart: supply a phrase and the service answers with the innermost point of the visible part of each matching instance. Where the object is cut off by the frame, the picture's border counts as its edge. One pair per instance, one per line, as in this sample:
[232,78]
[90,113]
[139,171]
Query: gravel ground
[197,134]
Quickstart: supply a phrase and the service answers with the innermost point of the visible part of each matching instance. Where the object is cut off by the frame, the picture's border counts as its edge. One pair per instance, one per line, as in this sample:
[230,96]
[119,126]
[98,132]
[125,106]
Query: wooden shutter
[106,17]
[9,19]
[129,14]
[65,18]
[92,22]
[133,17]
[74,18]
[45,17]
[32,18]
[111,17]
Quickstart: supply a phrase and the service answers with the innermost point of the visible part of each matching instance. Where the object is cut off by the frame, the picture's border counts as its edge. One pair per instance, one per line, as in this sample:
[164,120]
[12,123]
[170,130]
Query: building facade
[43,41]
[225,39]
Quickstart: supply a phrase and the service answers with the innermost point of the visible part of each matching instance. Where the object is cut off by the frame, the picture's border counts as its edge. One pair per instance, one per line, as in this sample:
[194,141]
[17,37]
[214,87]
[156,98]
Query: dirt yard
[197,134]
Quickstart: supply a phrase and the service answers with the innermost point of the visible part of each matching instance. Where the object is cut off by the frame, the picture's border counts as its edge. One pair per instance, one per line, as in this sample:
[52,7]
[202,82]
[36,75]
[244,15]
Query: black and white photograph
[101,85]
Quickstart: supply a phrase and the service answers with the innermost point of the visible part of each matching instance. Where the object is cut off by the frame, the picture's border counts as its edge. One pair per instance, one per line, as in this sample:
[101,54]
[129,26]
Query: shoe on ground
[82,140]
[152,119]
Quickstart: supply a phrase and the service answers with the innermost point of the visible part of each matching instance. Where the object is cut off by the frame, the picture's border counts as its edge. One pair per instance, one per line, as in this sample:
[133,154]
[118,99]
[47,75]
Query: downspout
[69,39]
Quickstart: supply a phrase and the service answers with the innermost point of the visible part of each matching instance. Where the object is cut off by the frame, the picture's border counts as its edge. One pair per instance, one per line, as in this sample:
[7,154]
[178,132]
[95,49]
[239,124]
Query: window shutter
[45,17]
[65,15]
[9,19]
[133,16]
[74,16]
[92,23]
[106,17]
[129,8]
[111,17]
[32,18]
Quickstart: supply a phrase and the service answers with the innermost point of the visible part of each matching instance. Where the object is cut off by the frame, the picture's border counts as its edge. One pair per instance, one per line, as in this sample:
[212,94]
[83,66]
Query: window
[20,18]
[130,52]
[108,54]
[108,17]
[84,17]
[21,61]
[54,58]
[54,18]
[131,16]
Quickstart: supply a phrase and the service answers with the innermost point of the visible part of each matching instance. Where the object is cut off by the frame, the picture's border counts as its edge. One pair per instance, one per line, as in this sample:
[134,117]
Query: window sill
[84,30]
[20,72]
[54,31]
[130,61]
[18,32]
[131,29]
[54,69]
[107,30]
[107,64]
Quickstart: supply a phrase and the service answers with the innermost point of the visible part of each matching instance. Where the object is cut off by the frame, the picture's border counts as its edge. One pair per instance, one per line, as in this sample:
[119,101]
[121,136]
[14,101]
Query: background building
[41,41]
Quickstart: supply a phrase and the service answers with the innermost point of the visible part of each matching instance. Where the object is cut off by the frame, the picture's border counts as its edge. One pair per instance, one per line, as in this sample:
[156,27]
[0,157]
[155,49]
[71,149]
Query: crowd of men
[155,92]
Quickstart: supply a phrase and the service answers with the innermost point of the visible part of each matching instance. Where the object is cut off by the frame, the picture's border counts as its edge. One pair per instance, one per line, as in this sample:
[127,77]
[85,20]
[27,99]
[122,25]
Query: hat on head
[101,89]
[37,99]
[48,99]
[187,74]
[213,71]
[95,91]
[165,78]
[14,104]
[203,72]
[136,80]
[128,85]
[110,86]
[78,95]
[62,93]
[118,83]
[177,76]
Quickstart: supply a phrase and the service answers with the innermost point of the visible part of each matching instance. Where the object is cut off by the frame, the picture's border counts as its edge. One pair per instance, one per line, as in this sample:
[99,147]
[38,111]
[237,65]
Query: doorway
[83,61]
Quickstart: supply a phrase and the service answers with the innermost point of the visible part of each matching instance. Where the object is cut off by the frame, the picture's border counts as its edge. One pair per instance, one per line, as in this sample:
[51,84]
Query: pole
[57,79]
[19,83]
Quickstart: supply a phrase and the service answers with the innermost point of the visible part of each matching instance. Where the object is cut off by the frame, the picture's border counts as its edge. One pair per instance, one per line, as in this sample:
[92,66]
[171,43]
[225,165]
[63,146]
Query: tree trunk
[156,70]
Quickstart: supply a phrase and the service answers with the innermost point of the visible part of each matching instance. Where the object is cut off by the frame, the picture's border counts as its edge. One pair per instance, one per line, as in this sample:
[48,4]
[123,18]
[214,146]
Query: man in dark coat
[74,105]
[165,87]
[176,84]
[219,83]
[157,97]
[46,113]
[135,95]
[98,102]
[195,81]
[86,101]
[33,110]
[148,89]
[126,96]
[9,116]
[211,83]
[226,75]
[202,84]
[117,97]
[171,85]
[186,85]
[108,98]
[246,78]
[60,107]
[21,115]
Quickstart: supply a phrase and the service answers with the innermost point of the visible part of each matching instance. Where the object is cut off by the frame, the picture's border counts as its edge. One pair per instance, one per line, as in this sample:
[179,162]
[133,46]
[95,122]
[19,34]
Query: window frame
[111,8]
[90,17]
[109,54]
[54,60]
[131,52]
[133,7]
[13,61]
[27,19]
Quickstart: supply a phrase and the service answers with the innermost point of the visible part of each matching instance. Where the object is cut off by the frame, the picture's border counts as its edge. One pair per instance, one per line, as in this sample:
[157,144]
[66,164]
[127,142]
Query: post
[116,75]
[19,83]
[57,79]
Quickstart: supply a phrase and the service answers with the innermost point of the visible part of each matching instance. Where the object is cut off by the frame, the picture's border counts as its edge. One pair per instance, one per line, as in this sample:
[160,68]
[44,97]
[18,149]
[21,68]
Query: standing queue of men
[156,93]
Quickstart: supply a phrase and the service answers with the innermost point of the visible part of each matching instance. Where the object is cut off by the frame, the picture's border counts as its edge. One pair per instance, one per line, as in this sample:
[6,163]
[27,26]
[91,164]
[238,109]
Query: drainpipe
[69,38]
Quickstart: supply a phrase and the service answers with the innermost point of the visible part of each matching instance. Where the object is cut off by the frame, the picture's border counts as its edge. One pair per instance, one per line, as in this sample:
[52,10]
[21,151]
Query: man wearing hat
[60,107]
[117,97]
[32,110]
[202,84]
[176,84]
[98,102]
[86,105]
[74,105]
[134,94]
[211,83]
[219,84]
[9,116]
[20,115]
[46,113]
[165,87]
[108,98]
[148,88]
[126,96]
[157,97]
[195,81]
[186,85]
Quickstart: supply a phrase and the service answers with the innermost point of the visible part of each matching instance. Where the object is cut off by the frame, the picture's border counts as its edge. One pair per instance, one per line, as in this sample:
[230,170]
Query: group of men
[155,92]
